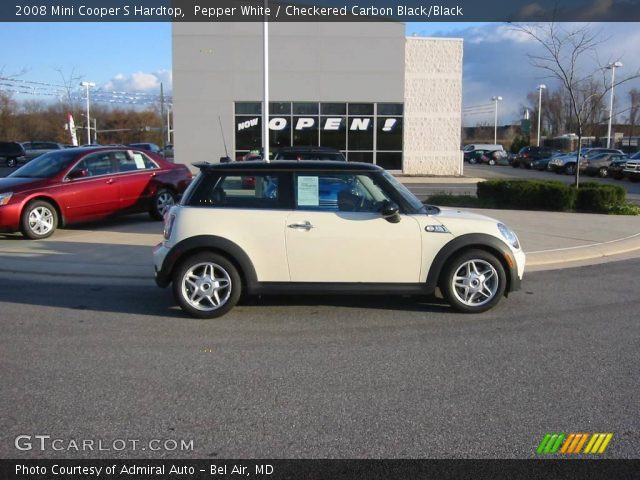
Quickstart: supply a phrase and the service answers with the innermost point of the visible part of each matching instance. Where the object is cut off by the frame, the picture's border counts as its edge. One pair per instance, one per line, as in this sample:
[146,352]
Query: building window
[364,132]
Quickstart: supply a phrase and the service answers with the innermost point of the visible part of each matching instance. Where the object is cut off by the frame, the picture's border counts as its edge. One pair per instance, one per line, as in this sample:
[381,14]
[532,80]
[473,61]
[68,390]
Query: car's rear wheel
[39,220]
[163,200]
[473,281]
[603,172]
[491,162]
[12,162]
[570,169]
[473,161]
[207,285]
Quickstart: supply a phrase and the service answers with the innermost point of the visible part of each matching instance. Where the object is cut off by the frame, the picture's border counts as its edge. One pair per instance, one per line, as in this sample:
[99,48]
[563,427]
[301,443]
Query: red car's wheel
[39,220]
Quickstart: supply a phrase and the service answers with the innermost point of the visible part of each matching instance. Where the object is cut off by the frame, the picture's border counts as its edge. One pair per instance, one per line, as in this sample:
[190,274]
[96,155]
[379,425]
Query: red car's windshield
[47,165]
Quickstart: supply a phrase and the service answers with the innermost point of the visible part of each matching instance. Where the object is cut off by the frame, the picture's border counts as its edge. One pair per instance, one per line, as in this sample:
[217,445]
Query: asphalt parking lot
[310,377]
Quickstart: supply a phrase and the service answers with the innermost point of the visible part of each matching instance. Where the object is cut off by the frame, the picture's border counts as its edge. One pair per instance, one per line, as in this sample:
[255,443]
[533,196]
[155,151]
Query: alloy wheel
[41,220]
[475,282]
[206,286]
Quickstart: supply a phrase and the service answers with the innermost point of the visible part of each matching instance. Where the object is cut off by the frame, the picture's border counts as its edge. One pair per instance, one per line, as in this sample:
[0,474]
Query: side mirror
[390,212]
[78,174]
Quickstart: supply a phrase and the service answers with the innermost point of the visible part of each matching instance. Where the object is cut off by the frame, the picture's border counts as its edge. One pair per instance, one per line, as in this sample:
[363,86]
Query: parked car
[527,155]
[75,185]
[12,153]
[496,157]
[309,153]
[599,164]
[36,148]
[632,170]
[282,237]
[567,163]
[168,151]
[473,156]
[482,146]
[149,147]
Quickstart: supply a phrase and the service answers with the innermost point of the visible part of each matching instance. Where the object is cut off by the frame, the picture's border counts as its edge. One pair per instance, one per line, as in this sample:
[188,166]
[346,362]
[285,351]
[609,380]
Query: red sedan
[83,184]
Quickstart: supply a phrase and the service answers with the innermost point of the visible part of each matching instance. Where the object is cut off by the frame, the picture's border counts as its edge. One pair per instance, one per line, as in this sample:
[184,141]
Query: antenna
[223,140]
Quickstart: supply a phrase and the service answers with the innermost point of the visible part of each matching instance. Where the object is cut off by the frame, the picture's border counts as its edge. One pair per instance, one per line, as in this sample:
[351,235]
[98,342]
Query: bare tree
[568,56]
[634,111]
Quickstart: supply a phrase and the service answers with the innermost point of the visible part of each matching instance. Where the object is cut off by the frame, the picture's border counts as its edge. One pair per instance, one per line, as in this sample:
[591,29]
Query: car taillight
[169,219]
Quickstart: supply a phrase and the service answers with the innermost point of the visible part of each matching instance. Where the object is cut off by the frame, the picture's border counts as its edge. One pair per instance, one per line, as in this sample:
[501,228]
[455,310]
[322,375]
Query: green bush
[528,194]
[599,197]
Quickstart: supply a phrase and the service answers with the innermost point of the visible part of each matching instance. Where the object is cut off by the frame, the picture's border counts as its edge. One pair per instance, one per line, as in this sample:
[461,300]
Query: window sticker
[308,192]
[137,157]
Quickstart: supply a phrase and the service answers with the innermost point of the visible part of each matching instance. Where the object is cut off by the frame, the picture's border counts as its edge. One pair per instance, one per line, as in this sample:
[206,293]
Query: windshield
[46,165]
[406,194]
[636,156]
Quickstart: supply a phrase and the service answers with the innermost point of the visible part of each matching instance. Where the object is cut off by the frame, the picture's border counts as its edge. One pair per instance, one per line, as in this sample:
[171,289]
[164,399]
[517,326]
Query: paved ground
[324,377]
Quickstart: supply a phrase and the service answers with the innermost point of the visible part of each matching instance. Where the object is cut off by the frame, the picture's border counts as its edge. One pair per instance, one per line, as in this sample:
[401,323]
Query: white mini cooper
[326,228]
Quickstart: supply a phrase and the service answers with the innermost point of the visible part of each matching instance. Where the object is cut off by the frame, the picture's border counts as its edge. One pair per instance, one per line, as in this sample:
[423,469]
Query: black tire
[570,169]
[491,162]
[12,162]
[473,161]
[38,220]
[163,200]
[603,172]
[482,260]
[227,296]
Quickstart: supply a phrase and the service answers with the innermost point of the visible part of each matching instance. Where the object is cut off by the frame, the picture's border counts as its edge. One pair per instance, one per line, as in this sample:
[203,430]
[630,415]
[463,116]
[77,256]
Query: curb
[559,256]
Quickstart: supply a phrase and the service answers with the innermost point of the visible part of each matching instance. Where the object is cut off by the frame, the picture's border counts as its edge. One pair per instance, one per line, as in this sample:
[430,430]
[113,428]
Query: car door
[136,174]
[337,234]
[91,188]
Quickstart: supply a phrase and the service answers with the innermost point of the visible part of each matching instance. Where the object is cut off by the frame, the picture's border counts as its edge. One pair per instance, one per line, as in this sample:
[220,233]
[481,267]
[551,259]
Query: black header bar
[320,10]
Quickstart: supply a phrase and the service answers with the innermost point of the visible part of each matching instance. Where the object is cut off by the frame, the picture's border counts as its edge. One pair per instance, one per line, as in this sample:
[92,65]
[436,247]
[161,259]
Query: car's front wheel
[39,220]
[473,281]
[570,169]
[603,172]
[162,202]
[12,162]
[207,285]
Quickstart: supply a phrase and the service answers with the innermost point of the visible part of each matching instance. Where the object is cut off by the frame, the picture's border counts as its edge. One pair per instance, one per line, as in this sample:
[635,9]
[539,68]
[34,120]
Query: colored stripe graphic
[572,443]
[550,443]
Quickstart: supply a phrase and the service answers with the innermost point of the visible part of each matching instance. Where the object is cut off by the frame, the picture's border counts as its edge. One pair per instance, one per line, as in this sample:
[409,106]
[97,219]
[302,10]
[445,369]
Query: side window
[338,192]
[234,191]
[97,164]
[130,161]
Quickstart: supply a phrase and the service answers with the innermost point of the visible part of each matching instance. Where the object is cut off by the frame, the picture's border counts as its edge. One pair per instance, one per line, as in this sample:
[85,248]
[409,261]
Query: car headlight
[5,197]
[509,235]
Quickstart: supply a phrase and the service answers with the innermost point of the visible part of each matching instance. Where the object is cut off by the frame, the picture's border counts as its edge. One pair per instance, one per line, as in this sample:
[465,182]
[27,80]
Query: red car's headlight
[5,198]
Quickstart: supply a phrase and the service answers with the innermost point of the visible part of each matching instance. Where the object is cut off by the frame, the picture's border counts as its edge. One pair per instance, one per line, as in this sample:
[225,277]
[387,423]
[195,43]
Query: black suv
[527,155]
[12,153]
[309,153]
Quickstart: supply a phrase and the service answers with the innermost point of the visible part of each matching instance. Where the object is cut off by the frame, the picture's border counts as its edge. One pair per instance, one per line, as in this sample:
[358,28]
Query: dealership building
[363,88]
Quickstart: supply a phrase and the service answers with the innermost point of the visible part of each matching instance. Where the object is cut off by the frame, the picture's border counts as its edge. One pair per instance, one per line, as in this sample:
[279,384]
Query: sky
[136,57]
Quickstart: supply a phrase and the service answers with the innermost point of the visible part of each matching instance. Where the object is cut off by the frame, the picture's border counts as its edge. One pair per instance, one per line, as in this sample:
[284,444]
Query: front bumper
[10,217]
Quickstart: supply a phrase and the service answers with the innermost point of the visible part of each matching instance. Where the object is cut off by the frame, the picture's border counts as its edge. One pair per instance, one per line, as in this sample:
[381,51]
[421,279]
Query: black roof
[292,165]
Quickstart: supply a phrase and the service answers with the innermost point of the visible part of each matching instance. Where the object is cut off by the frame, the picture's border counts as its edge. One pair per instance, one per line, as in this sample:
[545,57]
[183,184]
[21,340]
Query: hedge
[551,195]
[599,197]
[528,194]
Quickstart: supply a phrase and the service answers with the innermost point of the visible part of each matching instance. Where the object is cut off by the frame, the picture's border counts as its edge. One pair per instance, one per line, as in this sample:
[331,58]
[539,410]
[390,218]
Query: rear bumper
[162,276]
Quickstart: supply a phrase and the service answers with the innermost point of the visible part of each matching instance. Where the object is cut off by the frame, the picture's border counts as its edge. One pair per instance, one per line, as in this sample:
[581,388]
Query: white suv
[326,228]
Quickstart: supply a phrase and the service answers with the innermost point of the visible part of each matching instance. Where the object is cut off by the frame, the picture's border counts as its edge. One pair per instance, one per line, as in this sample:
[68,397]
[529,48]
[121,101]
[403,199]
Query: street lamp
[540,88]
[88,85]
[265,69]
[495,121]
[612,67]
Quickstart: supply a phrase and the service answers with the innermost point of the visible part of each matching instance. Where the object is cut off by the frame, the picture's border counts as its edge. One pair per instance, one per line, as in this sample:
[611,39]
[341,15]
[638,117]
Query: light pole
[540,88]
[265,66]
[88,85]
[495,120]
[612,67]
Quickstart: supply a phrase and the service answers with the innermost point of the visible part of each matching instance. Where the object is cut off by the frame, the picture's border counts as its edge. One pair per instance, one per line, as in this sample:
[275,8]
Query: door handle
[110,181]
[301,226]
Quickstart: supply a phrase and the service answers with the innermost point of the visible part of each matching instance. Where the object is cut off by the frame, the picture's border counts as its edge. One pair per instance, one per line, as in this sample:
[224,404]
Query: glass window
[234,191]
[305,108]
[333,132]
[389,160]
[366,157]
[248,133]
[97,164]
[389,134]
[47,165]
[361,109]
[333,108]
[337,192]
[392,109]
[279,132]
[131,161]
[305,130]
[279,108]
[360,133]
[248,108]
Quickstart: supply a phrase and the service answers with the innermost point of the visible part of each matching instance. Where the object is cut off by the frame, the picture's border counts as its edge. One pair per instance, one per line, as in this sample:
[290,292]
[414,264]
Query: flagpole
[265,105]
